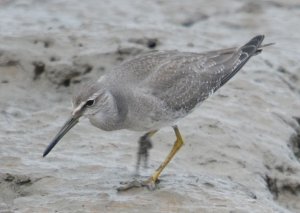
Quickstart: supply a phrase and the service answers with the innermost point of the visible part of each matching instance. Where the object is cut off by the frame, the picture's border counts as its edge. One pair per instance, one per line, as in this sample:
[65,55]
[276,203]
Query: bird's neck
[112,113]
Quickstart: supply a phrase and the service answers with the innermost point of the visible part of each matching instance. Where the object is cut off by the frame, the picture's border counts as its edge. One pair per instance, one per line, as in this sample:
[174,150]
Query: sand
[242,145]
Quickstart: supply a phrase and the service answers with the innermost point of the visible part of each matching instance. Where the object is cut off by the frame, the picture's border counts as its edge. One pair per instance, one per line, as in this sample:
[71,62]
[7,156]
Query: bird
[153,90]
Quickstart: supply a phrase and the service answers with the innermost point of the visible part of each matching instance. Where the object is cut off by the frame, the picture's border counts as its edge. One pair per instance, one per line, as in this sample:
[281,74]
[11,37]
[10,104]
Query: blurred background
[242,145]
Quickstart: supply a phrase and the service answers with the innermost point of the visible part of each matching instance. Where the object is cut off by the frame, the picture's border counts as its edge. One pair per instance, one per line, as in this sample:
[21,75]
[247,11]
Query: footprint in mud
[45,42]
[13,186]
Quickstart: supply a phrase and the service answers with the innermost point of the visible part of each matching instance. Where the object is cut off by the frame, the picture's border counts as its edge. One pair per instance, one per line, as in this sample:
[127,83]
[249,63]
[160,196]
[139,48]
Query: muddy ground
[242,145]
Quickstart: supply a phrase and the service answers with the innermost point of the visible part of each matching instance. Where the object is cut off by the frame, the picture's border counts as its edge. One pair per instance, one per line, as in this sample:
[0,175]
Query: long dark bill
[66,127]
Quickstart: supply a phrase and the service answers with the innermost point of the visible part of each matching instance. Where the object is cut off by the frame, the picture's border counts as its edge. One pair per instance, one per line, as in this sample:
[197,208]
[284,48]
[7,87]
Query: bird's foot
[150,184]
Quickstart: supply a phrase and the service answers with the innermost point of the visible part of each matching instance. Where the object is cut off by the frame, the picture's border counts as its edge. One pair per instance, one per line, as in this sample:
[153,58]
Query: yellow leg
[150,183]
[151,133]
[178,143]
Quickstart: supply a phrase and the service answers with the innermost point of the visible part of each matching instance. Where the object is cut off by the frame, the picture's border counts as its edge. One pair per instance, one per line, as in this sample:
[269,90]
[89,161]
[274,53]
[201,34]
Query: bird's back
[135,70]
[181,80]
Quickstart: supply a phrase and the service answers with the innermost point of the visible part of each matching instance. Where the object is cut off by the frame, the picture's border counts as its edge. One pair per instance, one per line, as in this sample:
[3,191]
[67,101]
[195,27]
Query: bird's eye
[90,103]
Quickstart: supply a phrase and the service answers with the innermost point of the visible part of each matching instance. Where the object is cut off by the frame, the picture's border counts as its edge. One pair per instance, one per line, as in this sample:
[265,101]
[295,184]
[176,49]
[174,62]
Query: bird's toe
[150,184]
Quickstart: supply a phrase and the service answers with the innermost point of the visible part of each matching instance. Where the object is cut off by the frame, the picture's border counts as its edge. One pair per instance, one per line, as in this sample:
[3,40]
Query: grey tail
[253,47]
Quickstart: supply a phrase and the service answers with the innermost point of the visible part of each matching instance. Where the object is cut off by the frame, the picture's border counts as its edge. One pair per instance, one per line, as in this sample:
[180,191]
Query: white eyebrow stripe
[78,108]
[94,96]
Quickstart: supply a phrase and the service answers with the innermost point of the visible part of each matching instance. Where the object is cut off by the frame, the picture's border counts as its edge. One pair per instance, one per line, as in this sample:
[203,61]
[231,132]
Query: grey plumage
[155,89]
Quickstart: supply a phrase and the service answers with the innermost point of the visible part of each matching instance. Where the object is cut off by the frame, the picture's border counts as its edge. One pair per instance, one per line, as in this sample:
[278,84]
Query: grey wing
[186,79]
[138,68]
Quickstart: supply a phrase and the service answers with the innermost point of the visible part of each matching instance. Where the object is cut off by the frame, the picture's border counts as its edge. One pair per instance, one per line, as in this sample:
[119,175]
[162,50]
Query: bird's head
[89,100]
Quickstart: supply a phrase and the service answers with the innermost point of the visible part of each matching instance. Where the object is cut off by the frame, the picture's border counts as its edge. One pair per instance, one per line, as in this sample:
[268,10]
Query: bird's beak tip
[67,126]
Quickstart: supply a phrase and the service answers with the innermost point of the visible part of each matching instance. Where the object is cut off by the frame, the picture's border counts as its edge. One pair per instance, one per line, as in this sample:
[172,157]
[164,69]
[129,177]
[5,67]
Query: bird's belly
[148,125]
[154,121]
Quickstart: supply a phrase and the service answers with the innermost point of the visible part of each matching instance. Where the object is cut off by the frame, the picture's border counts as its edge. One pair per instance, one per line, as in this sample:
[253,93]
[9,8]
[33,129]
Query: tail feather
[253,47]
